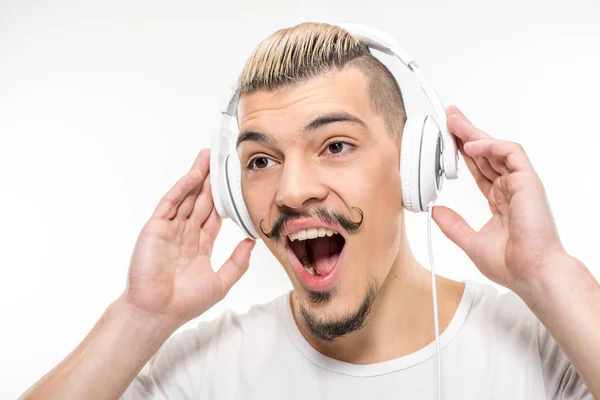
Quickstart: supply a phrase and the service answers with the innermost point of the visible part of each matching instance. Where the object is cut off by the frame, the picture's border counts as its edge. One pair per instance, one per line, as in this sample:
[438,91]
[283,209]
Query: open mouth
[317,249]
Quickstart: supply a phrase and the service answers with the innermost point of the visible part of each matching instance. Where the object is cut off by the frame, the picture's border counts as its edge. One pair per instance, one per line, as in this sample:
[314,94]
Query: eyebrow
[331,118]
[251,136]
[315,124]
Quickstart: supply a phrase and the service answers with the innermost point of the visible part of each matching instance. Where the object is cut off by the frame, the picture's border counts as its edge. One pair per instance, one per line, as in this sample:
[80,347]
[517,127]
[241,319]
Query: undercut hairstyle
[294,55]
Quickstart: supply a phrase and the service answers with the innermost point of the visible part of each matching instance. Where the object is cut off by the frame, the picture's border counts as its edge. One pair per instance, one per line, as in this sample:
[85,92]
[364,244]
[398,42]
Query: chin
[331,315]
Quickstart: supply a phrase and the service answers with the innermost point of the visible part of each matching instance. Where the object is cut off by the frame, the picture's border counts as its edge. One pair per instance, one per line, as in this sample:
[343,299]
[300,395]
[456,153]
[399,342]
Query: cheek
[259,197]
[375,187]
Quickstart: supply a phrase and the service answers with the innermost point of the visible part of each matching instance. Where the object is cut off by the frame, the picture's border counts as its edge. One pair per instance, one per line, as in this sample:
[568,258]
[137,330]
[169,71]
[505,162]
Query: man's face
[321,145]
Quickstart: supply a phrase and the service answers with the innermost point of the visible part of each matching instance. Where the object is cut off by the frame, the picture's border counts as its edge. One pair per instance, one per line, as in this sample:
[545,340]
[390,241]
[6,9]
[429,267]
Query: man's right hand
[170,282]
[170,275]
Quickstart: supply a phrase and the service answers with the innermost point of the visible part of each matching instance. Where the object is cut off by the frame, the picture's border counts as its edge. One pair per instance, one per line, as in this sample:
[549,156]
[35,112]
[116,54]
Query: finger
[236,265]
[484,184]
[510,154]
[454,227]
[202,160]
[453,109]
[210,229]
[186,206]
[213,223]
[168,205]
[486,169]
[498,166]
[200,164]
[202,204]
[463,129]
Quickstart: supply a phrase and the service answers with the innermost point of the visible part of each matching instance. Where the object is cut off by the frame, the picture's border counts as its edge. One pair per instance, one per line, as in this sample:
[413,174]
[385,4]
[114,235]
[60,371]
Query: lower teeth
[306,264]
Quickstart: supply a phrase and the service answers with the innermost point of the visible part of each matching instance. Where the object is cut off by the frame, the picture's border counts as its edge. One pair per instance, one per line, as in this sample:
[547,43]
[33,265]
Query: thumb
[454,227]
[233,269]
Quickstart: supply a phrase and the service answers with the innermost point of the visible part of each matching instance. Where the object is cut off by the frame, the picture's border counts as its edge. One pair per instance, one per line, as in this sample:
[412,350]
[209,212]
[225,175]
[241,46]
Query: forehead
[290,107]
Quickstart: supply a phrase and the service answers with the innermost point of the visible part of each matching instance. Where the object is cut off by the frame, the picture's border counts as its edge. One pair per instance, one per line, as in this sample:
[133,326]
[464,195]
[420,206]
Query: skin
[519,247]
[171,280]
[301,172]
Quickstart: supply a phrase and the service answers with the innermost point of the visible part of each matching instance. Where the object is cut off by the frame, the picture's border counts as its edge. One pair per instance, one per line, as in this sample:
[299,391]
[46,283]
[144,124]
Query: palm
[188,277]
[171,273]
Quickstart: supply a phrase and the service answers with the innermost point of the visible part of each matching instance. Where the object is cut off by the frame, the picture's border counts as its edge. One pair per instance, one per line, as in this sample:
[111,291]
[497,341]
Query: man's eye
[260,163]
[338,147]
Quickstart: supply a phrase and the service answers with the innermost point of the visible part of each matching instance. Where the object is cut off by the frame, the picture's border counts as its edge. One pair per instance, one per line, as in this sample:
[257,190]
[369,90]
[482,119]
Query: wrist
[556,270]
[142,321]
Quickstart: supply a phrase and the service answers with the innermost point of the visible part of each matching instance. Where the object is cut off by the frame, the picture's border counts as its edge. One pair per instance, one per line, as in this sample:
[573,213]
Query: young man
[321,125]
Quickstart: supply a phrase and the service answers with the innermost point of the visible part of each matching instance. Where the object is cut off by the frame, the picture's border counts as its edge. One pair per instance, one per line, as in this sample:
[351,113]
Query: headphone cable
[435,305]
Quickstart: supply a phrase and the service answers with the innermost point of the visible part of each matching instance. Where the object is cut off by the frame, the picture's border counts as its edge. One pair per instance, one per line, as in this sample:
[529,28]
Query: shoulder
[502,303]
[500,310]
[263,317]
[497,326]
[187,357]
[233,329]
[225,335]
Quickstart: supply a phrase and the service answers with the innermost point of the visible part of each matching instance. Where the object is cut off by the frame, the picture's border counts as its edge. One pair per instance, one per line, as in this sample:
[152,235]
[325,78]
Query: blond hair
[297,54]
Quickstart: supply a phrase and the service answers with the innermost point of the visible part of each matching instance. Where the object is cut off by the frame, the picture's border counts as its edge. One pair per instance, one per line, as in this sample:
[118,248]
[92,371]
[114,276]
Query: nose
[299,185]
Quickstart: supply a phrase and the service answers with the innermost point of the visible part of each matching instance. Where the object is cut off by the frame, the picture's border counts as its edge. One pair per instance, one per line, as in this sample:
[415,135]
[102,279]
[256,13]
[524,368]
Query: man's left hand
[520,240]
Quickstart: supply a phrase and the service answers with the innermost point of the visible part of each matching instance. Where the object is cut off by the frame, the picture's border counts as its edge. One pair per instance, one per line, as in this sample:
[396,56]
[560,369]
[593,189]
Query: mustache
[320,212]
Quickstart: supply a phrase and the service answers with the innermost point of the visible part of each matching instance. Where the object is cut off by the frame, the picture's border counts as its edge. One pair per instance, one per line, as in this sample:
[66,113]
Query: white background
[103,106]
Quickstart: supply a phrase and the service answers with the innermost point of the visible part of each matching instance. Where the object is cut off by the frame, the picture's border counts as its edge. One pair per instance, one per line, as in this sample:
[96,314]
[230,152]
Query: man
[321,125]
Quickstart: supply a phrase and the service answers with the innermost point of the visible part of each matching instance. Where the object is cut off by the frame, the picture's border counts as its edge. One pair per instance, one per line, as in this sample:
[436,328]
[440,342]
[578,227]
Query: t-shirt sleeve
[561,379]
[176,370]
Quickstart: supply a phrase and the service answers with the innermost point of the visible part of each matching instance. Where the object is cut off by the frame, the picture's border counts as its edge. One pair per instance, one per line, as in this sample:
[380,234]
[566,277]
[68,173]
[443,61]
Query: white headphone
[428,150]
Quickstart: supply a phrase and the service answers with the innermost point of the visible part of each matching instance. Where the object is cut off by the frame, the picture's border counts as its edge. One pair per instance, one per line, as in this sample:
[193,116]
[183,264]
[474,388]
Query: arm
[567,301]
[170,282]
[108,359]
[519,247]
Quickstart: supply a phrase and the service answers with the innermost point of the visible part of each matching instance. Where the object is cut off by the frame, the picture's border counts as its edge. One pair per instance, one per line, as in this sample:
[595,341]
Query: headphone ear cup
[419,163]
[240,214]
[218,158]
[409,162]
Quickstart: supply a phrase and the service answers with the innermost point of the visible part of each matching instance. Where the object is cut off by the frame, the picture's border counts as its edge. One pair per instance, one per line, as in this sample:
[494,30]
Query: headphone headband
[378,40]
[225,198]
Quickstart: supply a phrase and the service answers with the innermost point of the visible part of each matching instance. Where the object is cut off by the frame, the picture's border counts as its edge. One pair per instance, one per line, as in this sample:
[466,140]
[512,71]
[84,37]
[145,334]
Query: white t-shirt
[494,348]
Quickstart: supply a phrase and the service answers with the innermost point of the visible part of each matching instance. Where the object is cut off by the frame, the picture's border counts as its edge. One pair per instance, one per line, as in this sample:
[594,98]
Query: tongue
[322,259]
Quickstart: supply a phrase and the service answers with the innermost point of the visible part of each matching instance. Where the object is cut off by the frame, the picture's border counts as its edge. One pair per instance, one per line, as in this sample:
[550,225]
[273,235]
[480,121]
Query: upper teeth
[311,233]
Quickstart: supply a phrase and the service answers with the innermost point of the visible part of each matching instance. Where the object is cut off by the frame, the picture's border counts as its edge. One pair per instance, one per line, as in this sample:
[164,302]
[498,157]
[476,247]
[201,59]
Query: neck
[401,318]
